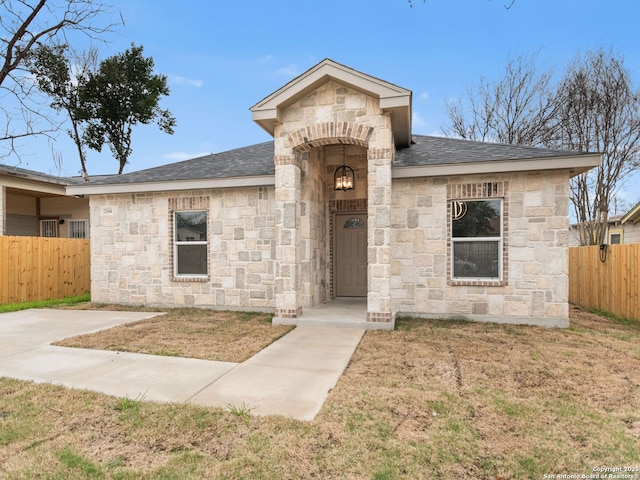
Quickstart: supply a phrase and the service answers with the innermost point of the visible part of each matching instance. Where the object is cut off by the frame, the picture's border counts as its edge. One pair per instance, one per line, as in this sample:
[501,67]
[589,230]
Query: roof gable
[632,215]
[393,99]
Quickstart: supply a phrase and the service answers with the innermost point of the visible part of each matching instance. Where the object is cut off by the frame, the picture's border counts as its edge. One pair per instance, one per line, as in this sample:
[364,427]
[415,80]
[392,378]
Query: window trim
[52,221]
[481,190]
[176,244]
[616,231]
[499,240]
[83,221]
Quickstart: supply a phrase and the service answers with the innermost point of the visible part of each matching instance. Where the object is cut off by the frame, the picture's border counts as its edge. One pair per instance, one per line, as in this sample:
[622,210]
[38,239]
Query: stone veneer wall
[132,251]
[332,114]
[313,227]
[535,284]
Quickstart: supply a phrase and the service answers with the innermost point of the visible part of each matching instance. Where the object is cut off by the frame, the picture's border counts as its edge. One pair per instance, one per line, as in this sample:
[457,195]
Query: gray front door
[351,255]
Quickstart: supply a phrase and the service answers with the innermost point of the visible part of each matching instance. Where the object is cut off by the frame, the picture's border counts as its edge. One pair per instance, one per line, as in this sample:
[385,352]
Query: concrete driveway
[291,377]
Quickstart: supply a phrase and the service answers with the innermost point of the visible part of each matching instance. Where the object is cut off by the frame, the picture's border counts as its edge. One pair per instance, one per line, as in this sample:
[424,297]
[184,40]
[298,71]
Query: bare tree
[598,111]
[25,24]
[594,108]
[516,109]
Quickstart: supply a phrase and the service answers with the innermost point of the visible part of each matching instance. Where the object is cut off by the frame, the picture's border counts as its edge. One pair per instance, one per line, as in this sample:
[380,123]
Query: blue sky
[223,57]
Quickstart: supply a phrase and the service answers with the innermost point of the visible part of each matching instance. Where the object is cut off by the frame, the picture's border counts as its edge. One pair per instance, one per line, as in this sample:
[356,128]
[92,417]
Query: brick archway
[329,133]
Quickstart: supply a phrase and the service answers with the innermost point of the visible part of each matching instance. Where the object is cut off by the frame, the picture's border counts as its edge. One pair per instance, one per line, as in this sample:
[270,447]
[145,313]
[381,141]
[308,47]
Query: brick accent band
[461,191]
[379,153]
[288,312]
[379,317]
[286,160]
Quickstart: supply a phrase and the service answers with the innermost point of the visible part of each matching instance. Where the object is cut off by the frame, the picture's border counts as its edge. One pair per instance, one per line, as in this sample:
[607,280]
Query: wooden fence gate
[37,268]
[606,279]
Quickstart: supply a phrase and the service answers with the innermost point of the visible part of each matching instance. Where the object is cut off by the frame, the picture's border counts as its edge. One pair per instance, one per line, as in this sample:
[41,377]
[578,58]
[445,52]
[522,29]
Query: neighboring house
[626,228]
[434,227]
[620,229]
[36,204]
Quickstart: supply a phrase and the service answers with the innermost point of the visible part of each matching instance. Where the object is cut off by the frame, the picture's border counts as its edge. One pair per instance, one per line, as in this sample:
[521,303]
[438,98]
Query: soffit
[393,99]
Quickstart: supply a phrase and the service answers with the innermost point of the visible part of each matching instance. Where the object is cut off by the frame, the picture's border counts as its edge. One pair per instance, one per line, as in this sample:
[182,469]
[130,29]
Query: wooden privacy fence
[607,280]
[37,268]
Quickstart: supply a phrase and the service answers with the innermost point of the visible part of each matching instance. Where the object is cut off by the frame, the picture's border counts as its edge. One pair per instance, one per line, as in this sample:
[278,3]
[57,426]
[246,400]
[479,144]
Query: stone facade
[332,114]
[274,246]
[534,285]
[132,249]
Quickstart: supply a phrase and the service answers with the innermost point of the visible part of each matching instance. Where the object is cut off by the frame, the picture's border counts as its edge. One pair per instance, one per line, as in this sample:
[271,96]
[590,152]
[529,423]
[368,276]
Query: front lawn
[432,399]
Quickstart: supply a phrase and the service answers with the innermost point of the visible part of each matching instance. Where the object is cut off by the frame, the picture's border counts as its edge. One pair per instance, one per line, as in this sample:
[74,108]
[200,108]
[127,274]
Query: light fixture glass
[343,177]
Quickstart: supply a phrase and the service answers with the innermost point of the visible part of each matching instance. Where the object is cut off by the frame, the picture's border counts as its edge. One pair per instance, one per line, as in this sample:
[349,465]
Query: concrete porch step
[343,312]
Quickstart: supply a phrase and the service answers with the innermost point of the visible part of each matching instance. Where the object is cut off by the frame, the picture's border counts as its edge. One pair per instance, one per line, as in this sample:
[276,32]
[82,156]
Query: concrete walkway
[291,377]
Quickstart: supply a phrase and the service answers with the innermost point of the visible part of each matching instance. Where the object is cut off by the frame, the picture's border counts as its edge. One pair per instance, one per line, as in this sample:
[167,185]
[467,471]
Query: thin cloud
[423,96]
[290,70]
[185,81]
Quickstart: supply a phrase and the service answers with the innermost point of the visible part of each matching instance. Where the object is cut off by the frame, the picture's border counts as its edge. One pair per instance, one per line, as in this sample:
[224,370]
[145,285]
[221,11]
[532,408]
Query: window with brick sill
[190,244]
[476,240]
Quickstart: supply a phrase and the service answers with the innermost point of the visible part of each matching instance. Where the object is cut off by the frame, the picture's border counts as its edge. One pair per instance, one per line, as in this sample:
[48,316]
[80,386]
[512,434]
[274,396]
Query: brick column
[379,236]
[287,264]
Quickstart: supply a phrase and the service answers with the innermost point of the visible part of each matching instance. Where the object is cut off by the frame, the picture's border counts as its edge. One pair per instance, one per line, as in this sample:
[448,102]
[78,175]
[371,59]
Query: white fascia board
[396,102]
[575,164]
[340,73]
[39,186]
[172,186]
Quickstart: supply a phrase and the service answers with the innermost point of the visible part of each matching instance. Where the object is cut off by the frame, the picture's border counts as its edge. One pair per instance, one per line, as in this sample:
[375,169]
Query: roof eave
[575,164]
[171,186]
[632,216]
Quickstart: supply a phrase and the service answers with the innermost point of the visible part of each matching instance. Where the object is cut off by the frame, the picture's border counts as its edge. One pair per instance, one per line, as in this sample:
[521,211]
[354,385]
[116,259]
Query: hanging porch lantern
[343,177]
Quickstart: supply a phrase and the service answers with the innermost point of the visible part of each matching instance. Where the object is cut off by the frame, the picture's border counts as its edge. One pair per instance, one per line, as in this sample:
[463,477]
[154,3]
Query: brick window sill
[477,283]
[190,279]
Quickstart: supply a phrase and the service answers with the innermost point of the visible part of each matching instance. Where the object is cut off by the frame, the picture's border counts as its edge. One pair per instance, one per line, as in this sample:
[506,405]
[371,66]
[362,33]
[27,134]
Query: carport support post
[379,307]
[287,179]
[2,208]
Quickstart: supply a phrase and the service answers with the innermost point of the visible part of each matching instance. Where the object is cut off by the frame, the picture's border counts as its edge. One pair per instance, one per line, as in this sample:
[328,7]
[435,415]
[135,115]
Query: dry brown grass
[433,399]
[187,332]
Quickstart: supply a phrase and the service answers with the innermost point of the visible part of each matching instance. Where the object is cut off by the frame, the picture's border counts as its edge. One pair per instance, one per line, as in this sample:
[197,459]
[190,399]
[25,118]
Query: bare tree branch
[24,24]
[593,109]
[516,109]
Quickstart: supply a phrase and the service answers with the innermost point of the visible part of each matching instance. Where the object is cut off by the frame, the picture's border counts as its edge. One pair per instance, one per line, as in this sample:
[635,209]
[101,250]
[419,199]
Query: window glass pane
[475,259]
[77,229]
[354,223]
[192,259]
[191,226]
[477,218]
[48,228]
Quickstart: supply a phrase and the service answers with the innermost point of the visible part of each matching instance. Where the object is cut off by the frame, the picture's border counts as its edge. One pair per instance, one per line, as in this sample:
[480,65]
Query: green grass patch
[627,322]
[78,463]
[14,307]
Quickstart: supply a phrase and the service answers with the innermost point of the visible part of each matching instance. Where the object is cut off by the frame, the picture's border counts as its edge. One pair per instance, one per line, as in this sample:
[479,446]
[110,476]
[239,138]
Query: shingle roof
[257,160]
[442,151]
[241,162]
